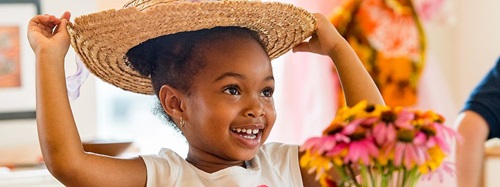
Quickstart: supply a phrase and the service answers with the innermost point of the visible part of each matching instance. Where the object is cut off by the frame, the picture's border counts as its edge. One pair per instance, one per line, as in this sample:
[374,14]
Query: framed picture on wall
[17,60]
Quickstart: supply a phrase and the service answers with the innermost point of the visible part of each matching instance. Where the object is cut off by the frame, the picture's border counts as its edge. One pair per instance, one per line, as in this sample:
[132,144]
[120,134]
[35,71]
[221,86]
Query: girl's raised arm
[59,139]
[356,82]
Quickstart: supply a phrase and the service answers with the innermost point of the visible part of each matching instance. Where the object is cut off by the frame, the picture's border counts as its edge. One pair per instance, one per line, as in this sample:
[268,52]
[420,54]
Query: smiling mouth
[250,134]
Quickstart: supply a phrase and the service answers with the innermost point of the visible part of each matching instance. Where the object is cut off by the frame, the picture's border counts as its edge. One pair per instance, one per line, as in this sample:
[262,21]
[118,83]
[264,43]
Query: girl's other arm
[59,139]
[470,154]
[356,82]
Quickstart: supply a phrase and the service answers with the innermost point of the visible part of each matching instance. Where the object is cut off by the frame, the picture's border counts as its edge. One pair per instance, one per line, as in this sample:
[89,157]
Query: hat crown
[144,4]
[102,39]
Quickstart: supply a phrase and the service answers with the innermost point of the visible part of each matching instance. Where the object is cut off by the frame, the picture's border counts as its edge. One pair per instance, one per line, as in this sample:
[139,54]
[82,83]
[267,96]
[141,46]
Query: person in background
[478,121]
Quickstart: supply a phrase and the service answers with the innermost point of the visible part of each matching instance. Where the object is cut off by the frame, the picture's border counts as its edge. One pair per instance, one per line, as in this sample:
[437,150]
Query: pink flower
[446,168]
[361,150]
[440,142]
[351,127]
[408,150]
[323,144]
[446,132]
[439,135]
[359,128]
[404,119]
[337,149]
[420,139]
[409,154]
[384,133]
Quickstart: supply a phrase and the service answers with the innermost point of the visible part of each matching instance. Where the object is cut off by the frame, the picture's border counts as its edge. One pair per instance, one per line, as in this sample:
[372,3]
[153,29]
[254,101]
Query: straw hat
[102,39]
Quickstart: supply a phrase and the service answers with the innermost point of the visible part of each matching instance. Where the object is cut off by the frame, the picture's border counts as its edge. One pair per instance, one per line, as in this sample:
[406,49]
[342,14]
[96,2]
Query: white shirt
[275,164]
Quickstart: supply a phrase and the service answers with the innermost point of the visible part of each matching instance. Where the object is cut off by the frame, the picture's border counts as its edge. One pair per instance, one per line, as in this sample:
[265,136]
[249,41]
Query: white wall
[465,49]
[477,43]
[18,136]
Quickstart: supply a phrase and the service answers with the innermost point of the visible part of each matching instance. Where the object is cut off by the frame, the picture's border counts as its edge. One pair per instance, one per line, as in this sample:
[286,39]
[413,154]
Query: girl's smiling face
[230,109]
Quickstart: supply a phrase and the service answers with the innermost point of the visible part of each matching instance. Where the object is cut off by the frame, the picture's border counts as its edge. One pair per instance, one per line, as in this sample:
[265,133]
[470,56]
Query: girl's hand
[324,41]
[48,35]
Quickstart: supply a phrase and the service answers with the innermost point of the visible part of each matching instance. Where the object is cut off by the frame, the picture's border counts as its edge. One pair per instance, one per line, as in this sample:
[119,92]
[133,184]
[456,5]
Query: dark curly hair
[175,59]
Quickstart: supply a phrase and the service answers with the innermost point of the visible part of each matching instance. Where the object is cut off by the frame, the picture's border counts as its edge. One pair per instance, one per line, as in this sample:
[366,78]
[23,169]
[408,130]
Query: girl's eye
[268,92]
[232,90]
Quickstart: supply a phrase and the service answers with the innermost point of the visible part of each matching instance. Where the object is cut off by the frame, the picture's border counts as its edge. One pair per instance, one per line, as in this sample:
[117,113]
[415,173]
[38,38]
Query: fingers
[42,21]
[40,24]
[46,23]
[324,39]
[66,15]
[322,20]
[324,25]
[63,21]
[61,28]
[320,17]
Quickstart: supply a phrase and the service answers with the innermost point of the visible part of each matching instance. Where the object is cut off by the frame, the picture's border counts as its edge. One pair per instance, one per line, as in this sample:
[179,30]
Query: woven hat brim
[102,39]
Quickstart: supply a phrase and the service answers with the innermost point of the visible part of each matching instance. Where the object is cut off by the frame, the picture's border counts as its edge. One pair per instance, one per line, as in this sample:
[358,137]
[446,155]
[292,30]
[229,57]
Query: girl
[215,84]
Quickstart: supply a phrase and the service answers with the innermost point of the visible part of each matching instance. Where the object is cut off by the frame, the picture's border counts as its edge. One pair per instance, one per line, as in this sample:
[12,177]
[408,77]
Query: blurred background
[459,40]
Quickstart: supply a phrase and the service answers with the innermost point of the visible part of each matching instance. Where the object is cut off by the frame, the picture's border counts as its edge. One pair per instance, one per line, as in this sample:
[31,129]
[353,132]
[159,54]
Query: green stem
[400,177]
[387,176]
[342,173]
[405,175]
[364,178]
[417,178]
[372,178]
[383,180]
[367,176]
[414,177]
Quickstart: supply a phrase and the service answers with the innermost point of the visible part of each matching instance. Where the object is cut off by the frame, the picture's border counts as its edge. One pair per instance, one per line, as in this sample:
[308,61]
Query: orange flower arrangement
[388,37]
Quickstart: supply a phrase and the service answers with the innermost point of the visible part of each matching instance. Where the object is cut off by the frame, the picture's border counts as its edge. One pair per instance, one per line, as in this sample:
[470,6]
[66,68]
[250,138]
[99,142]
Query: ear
[171,101]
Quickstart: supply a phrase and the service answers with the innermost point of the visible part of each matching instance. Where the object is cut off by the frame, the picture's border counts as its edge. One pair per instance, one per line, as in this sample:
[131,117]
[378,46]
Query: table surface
[24,177]
[492,151]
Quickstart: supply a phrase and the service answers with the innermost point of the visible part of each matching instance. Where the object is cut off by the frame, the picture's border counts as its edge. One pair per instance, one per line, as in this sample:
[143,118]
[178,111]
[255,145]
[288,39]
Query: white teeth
[247,131]
[251,137]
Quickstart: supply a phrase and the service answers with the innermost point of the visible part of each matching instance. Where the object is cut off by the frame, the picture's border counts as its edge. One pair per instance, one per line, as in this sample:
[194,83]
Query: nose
[256,113]
[255,108]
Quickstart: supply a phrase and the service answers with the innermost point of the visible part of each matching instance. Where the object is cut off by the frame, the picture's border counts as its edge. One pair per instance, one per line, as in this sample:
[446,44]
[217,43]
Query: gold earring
[182,122]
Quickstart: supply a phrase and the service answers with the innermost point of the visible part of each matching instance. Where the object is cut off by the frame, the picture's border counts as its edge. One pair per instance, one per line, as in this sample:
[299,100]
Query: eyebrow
[238,76]
[229,74]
